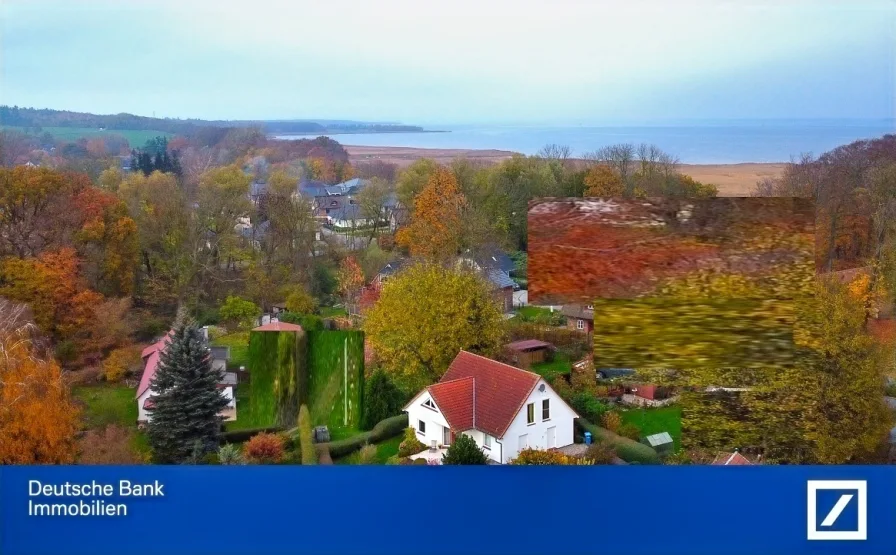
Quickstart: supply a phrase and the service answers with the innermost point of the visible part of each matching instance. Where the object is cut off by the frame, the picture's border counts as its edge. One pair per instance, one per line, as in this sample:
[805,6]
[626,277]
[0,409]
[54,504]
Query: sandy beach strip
[731,179]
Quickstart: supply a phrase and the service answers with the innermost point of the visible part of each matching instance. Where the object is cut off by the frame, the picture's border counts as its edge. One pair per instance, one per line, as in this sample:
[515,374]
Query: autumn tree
[372,201]
[413,179]
[299,300]
[437,225]
[459,314]
[110,445]
[602,181]
[35,210]
[38,419]
[107,242]
[350,279]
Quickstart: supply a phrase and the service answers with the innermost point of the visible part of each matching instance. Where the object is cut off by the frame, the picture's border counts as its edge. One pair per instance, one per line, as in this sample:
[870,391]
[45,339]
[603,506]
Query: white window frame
[421,427]
[428,404]
[580,324]
[486,441]
[545,405]
[530,414]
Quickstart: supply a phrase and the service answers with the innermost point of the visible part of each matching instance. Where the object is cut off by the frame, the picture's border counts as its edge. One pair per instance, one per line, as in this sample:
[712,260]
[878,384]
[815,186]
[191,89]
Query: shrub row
[239,436]
[626,449]
[384,429]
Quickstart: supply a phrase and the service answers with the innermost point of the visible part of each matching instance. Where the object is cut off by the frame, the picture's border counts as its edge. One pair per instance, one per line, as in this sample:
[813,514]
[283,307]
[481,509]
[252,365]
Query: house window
[446,436]
[530,413]
[524,441]
[546,409]
[421,427]
[580,324]
[589,307]
[429,404]
[486,441]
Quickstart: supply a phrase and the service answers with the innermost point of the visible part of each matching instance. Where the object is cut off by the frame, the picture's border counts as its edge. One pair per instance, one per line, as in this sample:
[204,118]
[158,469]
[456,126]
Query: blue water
[701,143]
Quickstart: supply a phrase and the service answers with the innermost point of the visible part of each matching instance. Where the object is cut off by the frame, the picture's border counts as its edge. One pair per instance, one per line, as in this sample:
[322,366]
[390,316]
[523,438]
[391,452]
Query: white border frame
[861,487]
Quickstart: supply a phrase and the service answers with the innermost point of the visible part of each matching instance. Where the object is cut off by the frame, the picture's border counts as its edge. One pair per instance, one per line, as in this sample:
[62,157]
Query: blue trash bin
[587,438]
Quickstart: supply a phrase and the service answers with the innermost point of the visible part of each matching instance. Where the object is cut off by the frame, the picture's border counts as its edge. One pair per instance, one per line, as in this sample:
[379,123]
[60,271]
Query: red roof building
[278,326]
[503,408]
[731,459]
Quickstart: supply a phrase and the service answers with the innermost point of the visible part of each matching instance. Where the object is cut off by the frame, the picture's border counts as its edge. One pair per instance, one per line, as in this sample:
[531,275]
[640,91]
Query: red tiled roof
[527,344]
[731,459]
[499,390]
[279,326]
[151,356]
[455,401]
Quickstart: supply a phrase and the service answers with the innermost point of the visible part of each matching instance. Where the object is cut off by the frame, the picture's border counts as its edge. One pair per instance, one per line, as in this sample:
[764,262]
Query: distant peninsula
[33,119]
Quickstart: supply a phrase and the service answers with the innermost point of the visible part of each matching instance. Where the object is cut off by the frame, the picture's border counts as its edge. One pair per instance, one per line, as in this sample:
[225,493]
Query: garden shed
[662,442]
[527,352]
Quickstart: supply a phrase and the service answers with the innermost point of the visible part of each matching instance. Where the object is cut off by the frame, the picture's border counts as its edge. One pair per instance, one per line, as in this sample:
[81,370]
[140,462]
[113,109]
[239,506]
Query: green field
[653,421]
[551,369]
[135,137]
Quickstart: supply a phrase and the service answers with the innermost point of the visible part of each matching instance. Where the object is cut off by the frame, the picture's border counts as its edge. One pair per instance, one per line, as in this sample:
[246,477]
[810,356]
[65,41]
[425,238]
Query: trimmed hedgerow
[333,356]
[277,361]
[306,441]
[626,449]
[384,429]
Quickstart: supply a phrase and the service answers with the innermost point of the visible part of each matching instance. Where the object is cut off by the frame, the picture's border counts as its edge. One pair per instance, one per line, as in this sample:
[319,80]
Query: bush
[299,301]
[410,445]
[367,455]
[463,451]
[381,399]
[611,421]
[230,454]
[309,322]
[600,453]
[239,311]
[420,461]
[239,436]
[532,456]
[630,431]
[891,390]
[112,445]
[121,362]
[306,437]
[588,406]
[626,449]
[264,448]
[393,460]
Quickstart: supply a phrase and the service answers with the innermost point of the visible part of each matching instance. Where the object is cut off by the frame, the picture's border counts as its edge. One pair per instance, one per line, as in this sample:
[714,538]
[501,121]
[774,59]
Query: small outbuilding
[523,354]
[662,443]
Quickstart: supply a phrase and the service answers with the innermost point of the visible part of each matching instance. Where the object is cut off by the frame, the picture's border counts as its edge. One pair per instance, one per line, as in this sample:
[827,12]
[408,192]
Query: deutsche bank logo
[837,510]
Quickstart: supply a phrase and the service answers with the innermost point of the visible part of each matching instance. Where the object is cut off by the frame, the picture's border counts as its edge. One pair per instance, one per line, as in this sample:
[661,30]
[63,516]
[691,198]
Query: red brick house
[579,317]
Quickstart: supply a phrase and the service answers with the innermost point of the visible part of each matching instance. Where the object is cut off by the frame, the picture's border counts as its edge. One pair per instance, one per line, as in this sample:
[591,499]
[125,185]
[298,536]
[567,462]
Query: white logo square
[861,499]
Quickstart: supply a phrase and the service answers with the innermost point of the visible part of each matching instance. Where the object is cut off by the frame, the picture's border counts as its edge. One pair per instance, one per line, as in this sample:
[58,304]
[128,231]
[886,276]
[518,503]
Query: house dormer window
[580,324]
[589,307]
[429,404]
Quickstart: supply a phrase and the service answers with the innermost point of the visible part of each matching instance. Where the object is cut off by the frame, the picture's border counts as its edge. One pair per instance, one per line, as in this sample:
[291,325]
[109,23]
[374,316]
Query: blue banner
[425,510]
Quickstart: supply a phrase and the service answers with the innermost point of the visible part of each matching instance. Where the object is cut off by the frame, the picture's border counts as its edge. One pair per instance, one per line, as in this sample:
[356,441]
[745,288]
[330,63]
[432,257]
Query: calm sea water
[704,143]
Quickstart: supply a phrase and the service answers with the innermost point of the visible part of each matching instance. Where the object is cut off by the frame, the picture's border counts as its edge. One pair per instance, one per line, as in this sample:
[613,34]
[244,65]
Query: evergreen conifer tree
[184,415]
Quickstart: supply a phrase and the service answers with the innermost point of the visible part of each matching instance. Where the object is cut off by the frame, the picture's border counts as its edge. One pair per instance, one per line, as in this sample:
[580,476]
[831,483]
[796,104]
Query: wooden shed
[527,352]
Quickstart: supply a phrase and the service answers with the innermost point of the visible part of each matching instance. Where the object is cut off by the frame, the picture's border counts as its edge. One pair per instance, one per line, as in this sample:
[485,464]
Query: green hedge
[333,400]
[384,429]
[277,364]
[626,449]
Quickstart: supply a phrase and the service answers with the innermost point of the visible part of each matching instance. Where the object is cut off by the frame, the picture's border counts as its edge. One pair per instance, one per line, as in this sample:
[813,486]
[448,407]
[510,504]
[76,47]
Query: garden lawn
[655,420]
[548,370]
[239,348]
[384,450]
[530,313]
[106,404]
[332,311]
[243,421]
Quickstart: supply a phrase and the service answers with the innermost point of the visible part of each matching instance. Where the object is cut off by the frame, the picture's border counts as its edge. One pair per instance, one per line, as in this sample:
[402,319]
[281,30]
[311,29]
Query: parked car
[610,373]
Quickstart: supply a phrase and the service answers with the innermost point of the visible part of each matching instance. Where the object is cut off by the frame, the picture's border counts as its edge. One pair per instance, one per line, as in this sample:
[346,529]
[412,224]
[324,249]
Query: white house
[151,359]
[503,408]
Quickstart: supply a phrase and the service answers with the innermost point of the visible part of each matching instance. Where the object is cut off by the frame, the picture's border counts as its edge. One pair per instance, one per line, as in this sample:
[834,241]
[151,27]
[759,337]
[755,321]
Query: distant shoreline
[365,132]
[737,179]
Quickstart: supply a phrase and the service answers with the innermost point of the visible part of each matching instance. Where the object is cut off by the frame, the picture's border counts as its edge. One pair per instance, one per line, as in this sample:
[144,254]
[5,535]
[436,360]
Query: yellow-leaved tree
[425,316]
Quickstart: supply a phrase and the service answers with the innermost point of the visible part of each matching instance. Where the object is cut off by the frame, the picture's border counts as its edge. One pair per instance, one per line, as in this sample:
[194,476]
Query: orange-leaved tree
[437,227]
[602,181]
[350,279]
[38,419]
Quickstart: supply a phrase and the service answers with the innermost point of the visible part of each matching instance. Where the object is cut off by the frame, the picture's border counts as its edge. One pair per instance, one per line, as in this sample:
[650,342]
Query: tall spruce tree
[187,401]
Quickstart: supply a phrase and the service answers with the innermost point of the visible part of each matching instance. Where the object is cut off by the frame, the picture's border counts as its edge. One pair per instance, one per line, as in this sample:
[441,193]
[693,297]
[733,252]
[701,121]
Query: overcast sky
[458,61]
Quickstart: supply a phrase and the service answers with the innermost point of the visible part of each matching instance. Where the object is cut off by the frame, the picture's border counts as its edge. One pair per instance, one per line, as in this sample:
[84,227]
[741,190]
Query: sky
[551,62]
